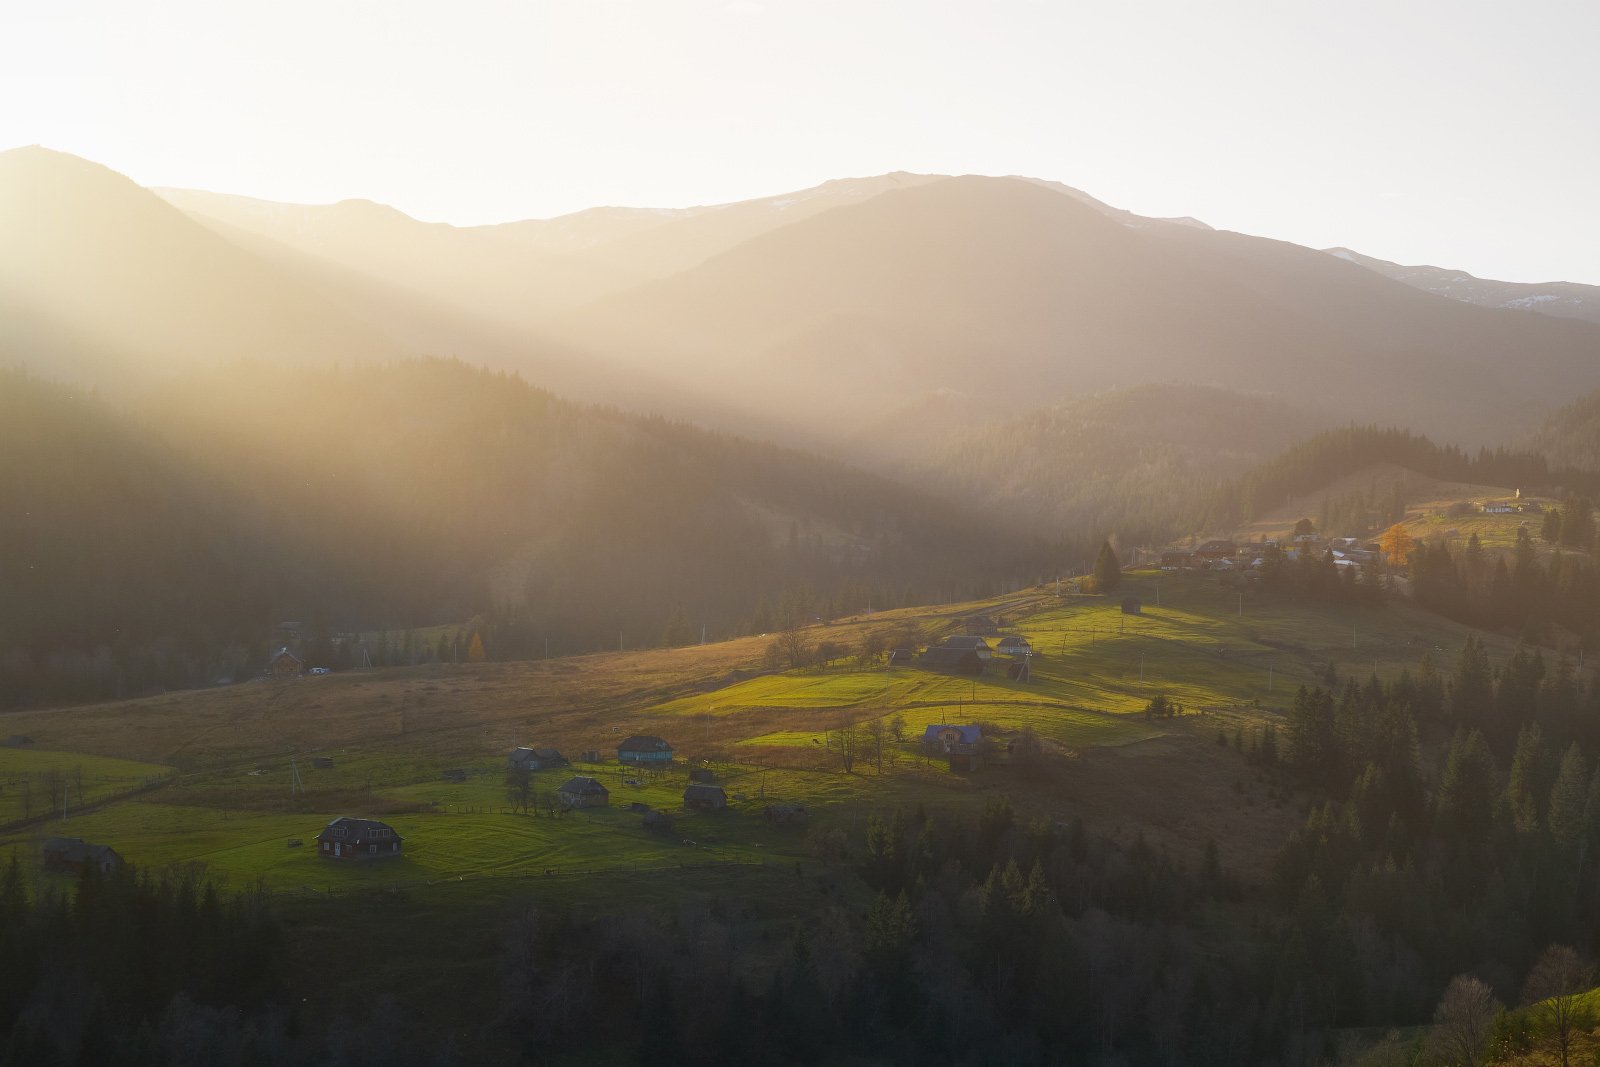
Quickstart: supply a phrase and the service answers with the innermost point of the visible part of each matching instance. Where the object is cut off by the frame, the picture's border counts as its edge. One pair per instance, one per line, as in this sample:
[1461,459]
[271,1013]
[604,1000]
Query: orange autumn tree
[1396,544]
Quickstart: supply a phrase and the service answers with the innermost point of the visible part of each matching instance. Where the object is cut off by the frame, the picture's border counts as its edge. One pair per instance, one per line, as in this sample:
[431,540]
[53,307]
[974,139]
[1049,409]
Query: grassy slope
[392,733]
[470,863]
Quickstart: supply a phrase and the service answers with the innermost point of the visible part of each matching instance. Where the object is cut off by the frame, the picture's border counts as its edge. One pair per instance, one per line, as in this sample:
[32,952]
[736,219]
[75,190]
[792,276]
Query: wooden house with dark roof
[1013,645]
[74,854]
[285,664]
[356,840]
[535,759]
[584,792]
[951,660]
[705,797]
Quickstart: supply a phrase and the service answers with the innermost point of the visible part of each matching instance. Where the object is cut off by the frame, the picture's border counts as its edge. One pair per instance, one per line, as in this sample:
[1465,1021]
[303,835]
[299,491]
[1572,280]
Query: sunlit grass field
[390,736]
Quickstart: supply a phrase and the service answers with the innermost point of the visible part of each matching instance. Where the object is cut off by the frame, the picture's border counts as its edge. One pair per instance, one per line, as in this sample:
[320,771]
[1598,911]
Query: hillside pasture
[86,778]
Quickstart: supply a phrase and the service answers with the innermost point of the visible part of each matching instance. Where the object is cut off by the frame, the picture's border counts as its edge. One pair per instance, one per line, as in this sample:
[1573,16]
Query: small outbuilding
[658,822]
[782,814]
[1132,605]
[705,797]
[357,840]
[1013,645]
[952,660]
[74,854]
[536,759]
[584,792]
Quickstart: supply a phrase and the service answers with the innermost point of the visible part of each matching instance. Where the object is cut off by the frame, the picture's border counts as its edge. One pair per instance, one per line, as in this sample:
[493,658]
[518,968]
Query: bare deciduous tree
[876,732]
[845,740]
[1554,993]
[1462,1022]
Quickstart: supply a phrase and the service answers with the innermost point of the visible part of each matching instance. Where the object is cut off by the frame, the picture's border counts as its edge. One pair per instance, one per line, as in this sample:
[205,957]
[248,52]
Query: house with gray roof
[584,792]
[352,840]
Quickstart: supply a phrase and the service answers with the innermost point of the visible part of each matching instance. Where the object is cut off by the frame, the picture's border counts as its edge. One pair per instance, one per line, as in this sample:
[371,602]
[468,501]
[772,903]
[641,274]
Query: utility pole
[1241,605]
[1269,677]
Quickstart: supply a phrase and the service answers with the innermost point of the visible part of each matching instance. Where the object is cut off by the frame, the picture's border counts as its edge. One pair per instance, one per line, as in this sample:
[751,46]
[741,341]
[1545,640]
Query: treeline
[1410,873]
[1147,462]
[989,939]
[156,544]
[1329,456]
[1521,594]
[131,968]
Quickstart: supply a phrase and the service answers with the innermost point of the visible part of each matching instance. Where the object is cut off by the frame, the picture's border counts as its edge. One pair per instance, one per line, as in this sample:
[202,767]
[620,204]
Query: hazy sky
[1464,134]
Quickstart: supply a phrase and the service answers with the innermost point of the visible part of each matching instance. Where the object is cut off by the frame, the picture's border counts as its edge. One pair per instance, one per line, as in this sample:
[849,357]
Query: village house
[584,792]
[355,840]
[1212,551]
[705,797]
[979,625]
[1132,605]
[969,641]
[961,746]
[1014,646]
[645,749]
[1177,561]
[285,664]
[952,660]
[535,759]
[74,854]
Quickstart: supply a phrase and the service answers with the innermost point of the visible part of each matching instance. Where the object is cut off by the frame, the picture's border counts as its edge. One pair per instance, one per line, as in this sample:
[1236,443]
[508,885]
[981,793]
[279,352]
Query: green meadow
[31,780]
[765,736]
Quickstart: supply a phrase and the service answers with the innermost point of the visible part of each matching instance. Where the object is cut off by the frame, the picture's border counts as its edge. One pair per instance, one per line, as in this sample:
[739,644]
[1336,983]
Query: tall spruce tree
[1107,569]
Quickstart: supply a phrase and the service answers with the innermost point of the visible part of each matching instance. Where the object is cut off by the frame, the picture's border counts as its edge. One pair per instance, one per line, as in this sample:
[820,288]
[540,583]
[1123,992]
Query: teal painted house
[642,748]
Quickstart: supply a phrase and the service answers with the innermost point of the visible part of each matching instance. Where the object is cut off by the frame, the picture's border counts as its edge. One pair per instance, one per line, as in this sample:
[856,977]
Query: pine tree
[1466,793]
[1521,791]
[475,653]
[1568,798]
[677,633]
[1107,569]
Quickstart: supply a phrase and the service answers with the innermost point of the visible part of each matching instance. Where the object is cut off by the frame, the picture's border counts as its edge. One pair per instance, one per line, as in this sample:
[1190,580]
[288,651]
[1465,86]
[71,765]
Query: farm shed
[786,813]
[74,854]
[705,798]
[584,792]
[1014,646]
[535,759]
[953,660]
[354,840]
[1132,605]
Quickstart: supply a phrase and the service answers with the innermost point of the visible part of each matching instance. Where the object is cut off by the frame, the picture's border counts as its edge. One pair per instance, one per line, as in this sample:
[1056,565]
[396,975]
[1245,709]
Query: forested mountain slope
[157,543]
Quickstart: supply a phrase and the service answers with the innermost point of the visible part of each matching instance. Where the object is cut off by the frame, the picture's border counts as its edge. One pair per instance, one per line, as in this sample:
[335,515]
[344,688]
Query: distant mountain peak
[1570,300]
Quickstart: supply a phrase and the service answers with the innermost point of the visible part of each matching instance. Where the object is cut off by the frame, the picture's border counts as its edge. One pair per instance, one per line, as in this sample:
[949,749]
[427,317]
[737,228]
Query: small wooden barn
[705,797]
[584,792]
